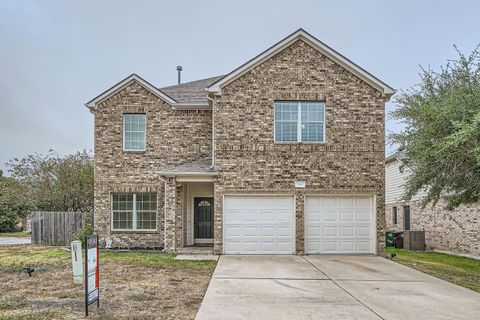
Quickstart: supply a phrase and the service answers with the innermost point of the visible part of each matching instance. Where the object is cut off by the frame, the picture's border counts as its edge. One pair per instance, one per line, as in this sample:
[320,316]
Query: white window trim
[134,216]
[144,134]
[299,124]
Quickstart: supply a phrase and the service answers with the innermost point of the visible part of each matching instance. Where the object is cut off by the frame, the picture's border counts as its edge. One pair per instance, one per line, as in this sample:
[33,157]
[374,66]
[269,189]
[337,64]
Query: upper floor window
[299,121]
[134,132]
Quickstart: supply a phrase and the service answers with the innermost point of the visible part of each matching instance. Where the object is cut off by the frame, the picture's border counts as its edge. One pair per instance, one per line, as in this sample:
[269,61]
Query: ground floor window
[134,211]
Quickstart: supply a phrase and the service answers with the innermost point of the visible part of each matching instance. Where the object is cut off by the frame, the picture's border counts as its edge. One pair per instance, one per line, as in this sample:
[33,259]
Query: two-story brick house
[283,155]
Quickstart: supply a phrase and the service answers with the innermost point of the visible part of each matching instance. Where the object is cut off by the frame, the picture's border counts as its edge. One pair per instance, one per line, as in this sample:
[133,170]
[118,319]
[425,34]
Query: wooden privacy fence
[56,228]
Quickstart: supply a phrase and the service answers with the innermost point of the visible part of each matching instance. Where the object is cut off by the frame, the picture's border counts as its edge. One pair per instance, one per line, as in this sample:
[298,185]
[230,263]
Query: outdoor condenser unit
[414,240]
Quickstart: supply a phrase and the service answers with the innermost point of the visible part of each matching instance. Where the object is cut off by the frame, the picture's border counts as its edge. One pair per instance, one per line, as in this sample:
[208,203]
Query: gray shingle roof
[199,166]
[190,92]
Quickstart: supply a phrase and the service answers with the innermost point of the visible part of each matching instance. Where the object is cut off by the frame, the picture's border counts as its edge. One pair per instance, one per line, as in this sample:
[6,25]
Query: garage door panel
[346,202]
[341,224]
[267,231]
[330,231]
[364,202]
[364,246]
[364,216]
[347,216]
[329,246]
[347,246]
[347,231]
[329,202]
[329,215]
[364,231]
[266,227]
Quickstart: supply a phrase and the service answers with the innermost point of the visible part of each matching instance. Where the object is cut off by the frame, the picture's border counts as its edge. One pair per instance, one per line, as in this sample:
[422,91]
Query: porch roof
[202,167]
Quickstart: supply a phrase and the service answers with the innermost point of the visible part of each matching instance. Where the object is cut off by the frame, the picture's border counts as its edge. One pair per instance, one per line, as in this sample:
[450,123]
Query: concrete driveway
[330,287]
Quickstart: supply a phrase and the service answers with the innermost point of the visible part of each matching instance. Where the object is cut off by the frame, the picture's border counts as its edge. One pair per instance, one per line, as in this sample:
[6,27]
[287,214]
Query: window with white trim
[134,211]
[299,121]
[134,131]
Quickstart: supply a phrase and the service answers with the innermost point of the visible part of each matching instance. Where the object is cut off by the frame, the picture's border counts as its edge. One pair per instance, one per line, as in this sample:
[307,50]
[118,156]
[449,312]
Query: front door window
[203,218]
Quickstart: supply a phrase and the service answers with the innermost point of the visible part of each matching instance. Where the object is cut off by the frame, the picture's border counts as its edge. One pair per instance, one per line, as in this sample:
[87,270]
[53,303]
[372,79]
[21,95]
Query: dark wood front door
[203,218]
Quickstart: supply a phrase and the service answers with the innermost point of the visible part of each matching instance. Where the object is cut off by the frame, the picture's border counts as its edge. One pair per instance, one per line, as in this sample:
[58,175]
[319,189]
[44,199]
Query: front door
[203,218]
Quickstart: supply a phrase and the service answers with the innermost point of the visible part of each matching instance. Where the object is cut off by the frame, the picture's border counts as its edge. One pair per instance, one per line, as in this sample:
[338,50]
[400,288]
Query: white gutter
[213,130]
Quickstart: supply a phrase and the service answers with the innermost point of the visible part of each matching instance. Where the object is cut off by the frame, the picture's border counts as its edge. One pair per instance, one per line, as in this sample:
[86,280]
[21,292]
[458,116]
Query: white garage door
[339,224]
[258,225]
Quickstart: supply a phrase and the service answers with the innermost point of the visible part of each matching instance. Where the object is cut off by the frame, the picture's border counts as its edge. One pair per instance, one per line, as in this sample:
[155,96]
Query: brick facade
[456,231]
[173,137]
[350,162]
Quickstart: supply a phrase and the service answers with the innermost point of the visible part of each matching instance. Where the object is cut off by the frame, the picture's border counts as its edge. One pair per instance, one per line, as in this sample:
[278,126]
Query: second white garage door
[258,224]
[339,224]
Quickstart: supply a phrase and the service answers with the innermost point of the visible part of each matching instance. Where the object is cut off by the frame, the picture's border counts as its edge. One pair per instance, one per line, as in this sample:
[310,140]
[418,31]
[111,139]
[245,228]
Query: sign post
[92,290]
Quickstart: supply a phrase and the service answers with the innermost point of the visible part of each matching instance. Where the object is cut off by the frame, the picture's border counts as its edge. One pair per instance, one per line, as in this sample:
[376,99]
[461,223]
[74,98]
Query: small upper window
[299,121]
[394,215]
[134,132]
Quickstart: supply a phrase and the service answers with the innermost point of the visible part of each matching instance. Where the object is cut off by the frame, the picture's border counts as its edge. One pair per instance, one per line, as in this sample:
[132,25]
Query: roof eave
[302,34]
[187,174]
[133,77]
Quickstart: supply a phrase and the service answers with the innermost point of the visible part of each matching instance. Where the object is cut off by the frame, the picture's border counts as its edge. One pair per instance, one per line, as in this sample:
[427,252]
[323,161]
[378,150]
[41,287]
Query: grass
[461,271]
[20,234]
[133,285]
[147,259]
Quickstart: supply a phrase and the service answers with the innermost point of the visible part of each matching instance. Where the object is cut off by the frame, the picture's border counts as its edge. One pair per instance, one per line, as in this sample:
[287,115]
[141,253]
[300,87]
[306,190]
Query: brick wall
[351,161]
[457,231]
[173,138]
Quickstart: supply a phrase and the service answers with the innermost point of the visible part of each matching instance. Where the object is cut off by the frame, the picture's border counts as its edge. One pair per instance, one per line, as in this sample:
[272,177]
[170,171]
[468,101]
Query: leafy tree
[56,183]
[441,138]
[13,204]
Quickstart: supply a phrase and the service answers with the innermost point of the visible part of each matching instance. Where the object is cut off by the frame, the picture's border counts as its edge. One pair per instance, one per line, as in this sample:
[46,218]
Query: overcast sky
[57,55]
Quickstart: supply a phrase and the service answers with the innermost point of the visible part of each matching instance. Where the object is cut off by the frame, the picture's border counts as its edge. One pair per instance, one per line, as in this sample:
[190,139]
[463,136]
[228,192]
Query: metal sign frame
[91,242]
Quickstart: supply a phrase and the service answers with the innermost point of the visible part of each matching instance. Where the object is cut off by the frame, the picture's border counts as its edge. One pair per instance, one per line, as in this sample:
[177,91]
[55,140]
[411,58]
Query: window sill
[134,231]
[299,142]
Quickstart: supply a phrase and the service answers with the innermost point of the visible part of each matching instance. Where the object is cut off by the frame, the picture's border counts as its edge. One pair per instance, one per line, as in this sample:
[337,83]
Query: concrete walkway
[13,240]
[330,287]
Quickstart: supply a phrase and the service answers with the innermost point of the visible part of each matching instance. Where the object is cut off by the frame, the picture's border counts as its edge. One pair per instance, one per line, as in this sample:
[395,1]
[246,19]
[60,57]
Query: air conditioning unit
[414,240]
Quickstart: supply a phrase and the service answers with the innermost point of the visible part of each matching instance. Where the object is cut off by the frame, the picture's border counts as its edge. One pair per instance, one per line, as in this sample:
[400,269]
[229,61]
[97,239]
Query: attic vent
[401,168]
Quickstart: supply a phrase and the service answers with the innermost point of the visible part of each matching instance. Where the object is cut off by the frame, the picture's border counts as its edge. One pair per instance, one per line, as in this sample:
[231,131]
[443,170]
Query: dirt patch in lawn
[133,286]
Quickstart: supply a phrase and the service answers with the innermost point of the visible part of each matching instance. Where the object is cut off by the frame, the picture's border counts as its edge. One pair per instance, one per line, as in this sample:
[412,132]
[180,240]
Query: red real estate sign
[92,289]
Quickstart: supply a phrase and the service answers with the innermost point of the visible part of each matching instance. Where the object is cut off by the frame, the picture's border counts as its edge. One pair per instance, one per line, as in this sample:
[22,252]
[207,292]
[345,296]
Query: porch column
[173,215]
[170,213]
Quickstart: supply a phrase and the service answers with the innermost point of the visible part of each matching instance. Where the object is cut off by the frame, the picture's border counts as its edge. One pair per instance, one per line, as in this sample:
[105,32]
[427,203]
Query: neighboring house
[456,231]
[283,155]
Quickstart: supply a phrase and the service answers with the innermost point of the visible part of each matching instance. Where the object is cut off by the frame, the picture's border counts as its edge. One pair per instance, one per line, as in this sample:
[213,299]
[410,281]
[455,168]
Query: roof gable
[317,44]
[133,77]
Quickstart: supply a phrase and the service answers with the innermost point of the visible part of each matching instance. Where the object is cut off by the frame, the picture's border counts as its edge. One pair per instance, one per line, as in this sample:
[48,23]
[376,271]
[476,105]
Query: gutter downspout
[213,130]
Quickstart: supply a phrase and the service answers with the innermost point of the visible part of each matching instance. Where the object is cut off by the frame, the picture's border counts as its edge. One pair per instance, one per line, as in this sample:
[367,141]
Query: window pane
[286,111]
[312,131]
[286,131]
[312,111]
[134,131]
[146,211]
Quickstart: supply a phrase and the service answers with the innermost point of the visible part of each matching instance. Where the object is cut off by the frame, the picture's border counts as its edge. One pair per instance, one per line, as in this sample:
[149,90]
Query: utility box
[77,262]
[414,240]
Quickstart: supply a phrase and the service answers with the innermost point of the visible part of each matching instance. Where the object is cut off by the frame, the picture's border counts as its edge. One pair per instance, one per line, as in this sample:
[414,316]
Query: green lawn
[462,271]
[21,234]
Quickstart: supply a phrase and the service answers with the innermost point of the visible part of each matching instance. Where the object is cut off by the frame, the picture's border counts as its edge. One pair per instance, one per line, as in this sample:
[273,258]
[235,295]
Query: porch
[189,207]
